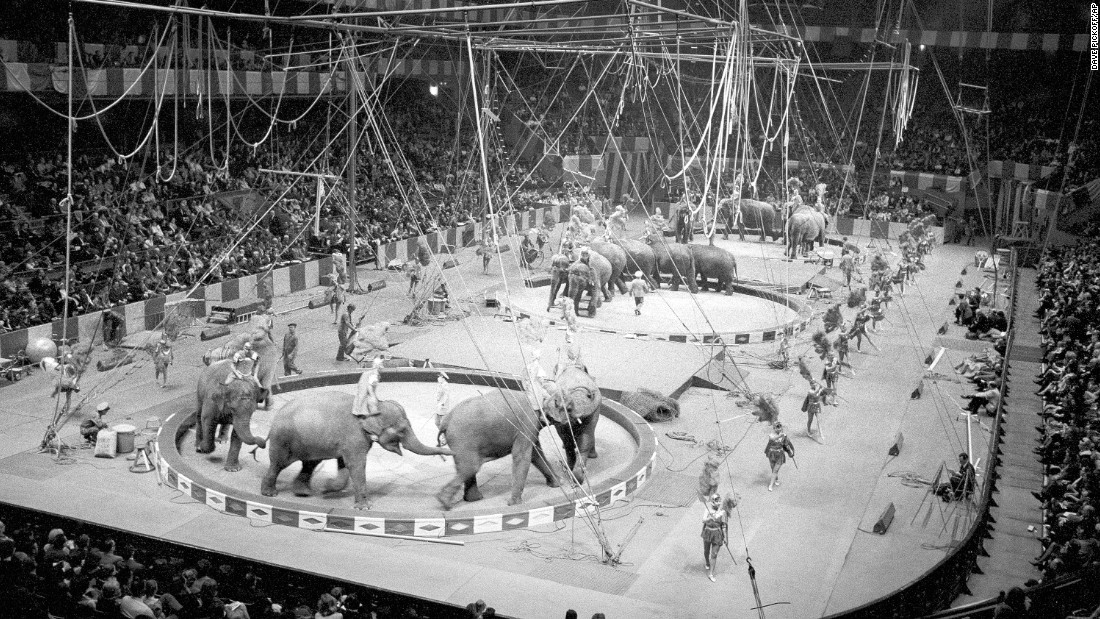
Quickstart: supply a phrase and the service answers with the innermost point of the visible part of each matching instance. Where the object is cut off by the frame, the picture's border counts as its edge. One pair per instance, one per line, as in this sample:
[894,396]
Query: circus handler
[162,358]
[812,407]
[366,395]
[569,315]
[715,529]
[638,288]
[777,450]
[89,428]
[336,297]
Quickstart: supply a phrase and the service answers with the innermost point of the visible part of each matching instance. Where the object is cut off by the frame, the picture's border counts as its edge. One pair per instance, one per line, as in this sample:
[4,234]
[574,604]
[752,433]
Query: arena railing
[942,583]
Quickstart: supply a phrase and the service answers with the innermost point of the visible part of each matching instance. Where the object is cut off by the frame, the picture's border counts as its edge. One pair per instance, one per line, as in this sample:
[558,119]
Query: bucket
[125,437]
[436,306]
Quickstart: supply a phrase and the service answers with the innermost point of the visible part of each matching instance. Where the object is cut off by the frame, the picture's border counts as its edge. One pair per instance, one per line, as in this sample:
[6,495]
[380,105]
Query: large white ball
[40,349]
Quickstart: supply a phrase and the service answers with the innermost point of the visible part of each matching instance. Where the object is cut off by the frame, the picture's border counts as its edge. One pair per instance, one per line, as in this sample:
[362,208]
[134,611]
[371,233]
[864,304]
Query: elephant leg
[466,467]
[343,474]
[232,459]
[470,491]
[277,459]
[555,286]
[538,458]
[301,482]
[357,470]
[205,445]
[521,465]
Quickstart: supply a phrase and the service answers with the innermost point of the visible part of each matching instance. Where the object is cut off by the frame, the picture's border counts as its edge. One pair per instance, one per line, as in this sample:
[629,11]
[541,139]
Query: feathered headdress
[804,369]
[821,344]
[708,479]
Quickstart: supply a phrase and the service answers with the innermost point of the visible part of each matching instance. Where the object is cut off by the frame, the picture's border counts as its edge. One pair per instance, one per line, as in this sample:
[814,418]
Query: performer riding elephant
[676,260]
[266,355]
[502,422]
[323,426]
[225,399]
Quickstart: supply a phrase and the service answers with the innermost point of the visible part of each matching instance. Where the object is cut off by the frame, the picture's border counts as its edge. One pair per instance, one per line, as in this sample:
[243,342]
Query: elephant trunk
[413,444]
[245,433]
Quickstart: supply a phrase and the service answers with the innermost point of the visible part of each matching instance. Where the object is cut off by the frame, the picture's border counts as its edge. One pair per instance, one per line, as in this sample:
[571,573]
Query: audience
[1069,282]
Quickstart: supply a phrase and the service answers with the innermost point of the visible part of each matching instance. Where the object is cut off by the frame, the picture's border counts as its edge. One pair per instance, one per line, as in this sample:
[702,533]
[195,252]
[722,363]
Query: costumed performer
[162,358]
[715,529]
[777,450]
[366,396]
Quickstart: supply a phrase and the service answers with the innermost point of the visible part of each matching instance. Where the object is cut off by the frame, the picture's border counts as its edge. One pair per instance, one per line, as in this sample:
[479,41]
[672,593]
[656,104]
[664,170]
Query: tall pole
[353,138]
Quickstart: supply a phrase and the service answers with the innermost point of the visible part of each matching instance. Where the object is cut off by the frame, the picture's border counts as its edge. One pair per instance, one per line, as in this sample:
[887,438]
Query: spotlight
[922,47]
[434,89]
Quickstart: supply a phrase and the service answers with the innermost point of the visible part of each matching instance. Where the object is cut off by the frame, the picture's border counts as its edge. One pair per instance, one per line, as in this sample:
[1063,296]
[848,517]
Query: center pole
[353,139]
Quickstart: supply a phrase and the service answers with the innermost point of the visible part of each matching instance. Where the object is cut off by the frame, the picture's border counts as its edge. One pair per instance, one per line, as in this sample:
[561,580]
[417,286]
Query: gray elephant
[805,226]
[714,263]
[675,259]
[559,278]
[502,422]
[263,344]
[592,278]
[616,256]
[323,426]
[639,257]
[757,215]
[224,399]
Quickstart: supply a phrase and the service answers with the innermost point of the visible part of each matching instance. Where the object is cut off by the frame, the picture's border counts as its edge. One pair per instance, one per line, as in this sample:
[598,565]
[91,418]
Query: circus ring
[402,488]
[748,316]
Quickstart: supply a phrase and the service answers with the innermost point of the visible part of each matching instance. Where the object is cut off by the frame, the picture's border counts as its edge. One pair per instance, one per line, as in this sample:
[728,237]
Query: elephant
[616,256]
[501,422]
[675,259]
[714,263]
[323,426]
[757,214]
[592,278]
[559,278]
[805,226]
[639,257]
[263,344]
[224,399]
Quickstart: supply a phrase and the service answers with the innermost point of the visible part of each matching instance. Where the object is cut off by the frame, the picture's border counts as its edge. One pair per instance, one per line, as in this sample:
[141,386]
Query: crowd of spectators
[136,235]
[1070,387]
[46,571]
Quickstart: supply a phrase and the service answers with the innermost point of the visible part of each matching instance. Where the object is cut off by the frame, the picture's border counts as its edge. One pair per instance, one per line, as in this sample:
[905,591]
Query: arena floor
[809,540]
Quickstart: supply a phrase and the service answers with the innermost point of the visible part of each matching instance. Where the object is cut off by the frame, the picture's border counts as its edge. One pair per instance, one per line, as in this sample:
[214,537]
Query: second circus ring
[704,318]
[205,482]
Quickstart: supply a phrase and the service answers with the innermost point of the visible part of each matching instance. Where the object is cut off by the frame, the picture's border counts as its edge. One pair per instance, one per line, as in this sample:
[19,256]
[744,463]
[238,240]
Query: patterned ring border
[792,327]
[178,475]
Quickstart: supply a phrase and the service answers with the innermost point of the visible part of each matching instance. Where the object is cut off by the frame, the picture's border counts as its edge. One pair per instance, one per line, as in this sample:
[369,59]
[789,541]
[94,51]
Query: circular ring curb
[179,475]
[791,327]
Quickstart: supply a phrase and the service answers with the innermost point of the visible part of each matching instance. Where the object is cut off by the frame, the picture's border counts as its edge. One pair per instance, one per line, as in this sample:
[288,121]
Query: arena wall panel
[231,290]
[88,326]
[154,312]
[135,316]
[280,280]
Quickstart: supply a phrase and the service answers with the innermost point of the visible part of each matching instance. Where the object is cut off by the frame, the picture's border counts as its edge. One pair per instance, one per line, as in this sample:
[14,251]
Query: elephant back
[601,266]
[616,256]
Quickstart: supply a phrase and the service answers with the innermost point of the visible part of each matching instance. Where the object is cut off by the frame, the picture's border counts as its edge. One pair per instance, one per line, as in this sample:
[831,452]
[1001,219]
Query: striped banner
[116,82]
[922,180]
[1019,171]
[585,170]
